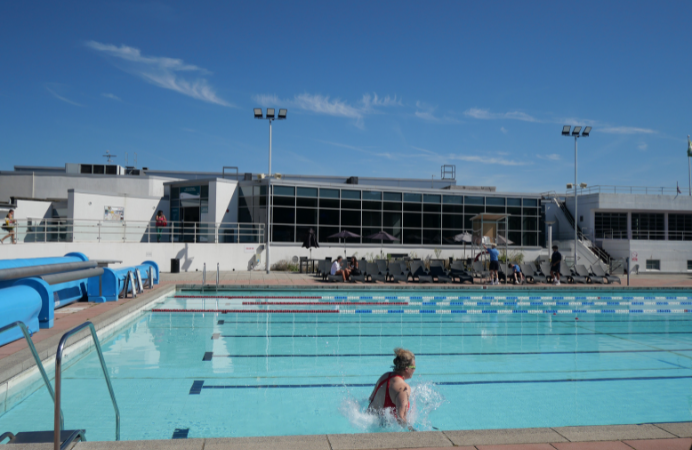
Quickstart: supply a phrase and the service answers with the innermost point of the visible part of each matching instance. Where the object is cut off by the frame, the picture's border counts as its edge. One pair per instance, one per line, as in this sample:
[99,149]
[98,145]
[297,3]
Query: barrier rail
[611,189]
[85,230]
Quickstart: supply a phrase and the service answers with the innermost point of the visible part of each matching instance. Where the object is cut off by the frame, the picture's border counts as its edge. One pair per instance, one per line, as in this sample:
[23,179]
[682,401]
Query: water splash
[424,401]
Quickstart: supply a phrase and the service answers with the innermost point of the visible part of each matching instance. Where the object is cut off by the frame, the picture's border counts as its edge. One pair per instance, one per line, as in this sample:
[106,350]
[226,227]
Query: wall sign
[114,213]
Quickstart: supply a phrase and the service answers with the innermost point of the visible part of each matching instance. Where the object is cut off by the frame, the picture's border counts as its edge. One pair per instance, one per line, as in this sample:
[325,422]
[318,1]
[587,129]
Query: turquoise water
[502,363]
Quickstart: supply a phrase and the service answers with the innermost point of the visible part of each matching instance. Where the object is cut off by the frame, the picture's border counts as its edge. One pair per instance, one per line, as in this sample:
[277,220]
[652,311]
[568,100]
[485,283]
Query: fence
[606,189]
[84,230]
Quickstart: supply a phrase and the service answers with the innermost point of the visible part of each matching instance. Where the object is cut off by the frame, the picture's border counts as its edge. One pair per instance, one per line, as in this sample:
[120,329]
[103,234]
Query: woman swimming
[391,392]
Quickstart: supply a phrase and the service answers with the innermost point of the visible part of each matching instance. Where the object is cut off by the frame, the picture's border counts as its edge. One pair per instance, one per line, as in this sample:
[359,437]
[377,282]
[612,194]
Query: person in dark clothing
[555,261]
[353,266]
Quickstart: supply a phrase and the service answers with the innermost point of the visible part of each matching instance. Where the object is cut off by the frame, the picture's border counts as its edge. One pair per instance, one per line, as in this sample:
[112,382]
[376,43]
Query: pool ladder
[61,438]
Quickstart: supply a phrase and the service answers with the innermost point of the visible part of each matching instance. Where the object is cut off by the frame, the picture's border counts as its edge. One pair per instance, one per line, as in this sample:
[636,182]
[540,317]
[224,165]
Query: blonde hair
[404,358]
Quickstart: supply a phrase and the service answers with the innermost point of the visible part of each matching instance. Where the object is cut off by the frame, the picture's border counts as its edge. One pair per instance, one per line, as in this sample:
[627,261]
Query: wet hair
[404,358]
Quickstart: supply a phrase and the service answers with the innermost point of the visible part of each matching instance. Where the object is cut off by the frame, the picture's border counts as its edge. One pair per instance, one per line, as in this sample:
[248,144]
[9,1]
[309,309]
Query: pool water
[484,360]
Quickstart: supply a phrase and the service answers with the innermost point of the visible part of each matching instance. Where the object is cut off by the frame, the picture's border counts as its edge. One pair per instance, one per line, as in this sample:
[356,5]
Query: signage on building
[635,256]
[249,249]
[114,213]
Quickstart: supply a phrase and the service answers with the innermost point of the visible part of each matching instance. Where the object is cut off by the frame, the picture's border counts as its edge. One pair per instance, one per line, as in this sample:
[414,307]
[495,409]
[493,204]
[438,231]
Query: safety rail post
[204,275]
[39,364]
[217,277]
[57,423]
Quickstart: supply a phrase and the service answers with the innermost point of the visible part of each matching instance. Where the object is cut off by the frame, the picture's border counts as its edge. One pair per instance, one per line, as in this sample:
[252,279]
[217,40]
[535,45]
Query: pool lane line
[423,320]
[592,333]
[365,355]
[325,303]
[426,311]
[201,385]
[254,311]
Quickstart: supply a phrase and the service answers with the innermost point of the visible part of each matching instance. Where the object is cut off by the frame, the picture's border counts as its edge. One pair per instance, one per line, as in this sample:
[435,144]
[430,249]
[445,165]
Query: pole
[269,195]
[689,174]
[576,213]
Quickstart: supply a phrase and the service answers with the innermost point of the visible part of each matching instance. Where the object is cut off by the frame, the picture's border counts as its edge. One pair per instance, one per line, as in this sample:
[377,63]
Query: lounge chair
[479,272]
[419,273]
[438,273]
[530,274]
[382,266]
[398,272]
[457,270]
[374,273]
[325,268]
[545,270]
[565,273]
[598,270]
[576,277]
[363,276]
[590,278]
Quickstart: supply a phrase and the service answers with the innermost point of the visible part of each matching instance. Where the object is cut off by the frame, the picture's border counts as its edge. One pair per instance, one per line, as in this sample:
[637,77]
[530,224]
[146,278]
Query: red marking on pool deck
[326,303]
[247,296]
[265,311]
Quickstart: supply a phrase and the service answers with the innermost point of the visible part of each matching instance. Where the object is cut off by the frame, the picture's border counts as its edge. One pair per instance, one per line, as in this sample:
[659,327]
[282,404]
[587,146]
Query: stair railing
[58,423]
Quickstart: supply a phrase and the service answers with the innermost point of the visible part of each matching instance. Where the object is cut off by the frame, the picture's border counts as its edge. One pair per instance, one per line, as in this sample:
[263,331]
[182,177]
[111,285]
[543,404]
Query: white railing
[642,190]
[85,230]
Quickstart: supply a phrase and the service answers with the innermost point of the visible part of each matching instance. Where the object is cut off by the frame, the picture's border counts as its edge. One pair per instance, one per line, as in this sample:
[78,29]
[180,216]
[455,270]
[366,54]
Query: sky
[387,88]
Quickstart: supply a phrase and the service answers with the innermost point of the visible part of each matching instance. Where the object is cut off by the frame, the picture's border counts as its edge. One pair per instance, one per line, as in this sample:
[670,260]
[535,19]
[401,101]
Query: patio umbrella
[311,241]
[343,235]
[382,236]
[464,237]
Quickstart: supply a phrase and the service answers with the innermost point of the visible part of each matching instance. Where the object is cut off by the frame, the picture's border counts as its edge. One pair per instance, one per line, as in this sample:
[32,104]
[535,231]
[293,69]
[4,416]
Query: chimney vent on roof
[247,176]
[352,180]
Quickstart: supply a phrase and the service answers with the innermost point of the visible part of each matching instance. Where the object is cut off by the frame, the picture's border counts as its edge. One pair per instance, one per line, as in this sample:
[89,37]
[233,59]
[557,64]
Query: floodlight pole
[269,194]
[576,213]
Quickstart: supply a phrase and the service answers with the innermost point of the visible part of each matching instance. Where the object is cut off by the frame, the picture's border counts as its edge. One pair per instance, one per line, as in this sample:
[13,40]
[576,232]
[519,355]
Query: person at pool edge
[555,261]
[338,270]
[494,263]
[391,390]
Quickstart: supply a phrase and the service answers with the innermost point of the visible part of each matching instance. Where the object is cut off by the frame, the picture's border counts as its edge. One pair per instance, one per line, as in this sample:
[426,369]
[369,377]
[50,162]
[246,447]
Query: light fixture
[576,130]
[270,113]
[582,185]
[565,130]
[258,113]
[569,185]
[282,113]
[587,132]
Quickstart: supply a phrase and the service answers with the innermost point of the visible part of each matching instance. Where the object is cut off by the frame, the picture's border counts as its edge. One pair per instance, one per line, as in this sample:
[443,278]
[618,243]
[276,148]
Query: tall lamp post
[271,112]
[575,134]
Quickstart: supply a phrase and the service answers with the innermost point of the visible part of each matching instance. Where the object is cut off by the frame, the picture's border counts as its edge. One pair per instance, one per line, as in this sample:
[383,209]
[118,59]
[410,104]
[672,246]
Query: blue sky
[393,89]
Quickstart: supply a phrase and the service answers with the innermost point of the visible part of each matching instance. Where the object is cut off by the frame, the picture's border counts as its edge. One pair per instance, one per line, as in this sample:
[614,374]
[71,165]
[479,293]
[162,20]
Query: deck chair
[590,278]
[398,272]
[328,273]
[438,273]
[545,270]
[565,273]
[598,270]
[576,278]
[374,273]
[479,272]
[363,276]
[458,271]
[530,274]
[419,273]
[382,266]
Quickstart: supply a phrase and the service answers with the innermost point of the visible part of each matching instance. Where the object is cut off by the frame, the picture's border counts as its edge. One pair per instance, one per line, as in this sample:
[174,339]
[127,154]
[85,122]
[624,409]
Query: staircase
[587,251]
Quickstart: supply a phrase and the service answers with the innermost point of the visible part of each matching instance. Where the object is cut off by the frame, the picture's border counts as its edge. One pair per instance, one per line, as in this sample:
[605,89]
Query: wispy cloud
[60,97]
[643,146]
[551,157]
[484,114]
[161,71]
[370,152]
[111,96]
[504,130]
[626,130]
[427,112]
[482,159]
[370,101]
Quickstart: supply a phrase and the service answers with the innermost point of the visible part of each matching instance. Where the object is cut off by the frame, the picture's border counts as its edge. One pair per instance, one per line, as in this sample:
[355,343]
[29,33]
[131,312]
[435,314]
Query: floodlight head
[282,113]
[582,185]
[258,113]
[576,130]
[569,185]
[587,132]
[565,130]
[270,113]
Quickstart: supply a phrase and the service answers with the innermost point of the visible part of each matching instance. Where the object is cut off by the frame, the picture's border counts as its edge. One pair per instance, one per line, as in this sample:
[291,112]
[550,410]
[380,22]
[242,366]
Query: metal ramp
[60,438]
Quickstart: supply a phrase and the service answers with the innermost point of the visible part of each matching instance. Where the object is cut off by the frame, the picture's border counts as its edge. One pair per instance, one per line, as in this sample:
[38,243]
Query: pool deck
[16,358]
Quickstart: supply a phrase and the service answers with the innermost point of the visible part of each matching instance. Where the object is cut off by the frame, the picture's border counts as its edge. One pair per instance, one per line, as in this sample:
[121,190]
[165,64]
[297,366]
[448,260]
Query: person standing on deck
[391,392]
[494,263]
[555,261]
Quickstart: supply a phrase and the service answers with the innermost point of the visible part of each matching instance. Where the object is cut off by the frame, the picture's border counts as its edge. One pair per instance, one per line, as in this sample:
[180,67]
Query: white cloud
[484,114]
[60,97]
[161,71]
[551,157]
[111,96]
[427,112]
[504,130]
[370,101]
[486,160]
[626,130]
[386,155]
[643,146]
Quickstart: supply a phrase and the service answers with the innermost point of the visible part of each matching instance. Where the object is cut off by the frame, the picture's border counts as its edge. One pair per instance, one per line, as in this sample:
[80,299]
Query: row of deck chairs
[397,271]
[580,274]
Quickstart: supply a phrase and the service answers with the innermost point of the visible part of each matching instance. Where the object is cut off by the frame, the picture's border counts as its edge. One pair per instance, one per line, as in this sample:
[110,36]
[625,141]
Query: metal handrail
[645,190]
[58,424]
[39,364]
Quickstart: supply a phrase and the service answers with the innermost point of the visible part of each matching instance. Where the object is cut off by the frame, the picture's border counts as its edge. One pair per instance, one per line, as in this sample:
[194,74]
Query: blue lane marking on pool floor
[444,383]
[196,388]
[365,355]
[220,322]
[585,333]
[180,433]
[207,356]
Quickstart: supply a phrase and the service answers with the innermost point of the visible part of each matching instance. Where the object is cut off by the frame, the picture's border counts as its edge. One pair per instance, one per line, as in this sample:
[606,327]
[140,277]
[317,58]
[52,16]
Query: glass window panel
[350,218]
[647,226]
[283,215]
[175,193]
[430,198]
[329,203]
[495,201]
[176,204]
[514,210]
[530,202]
[329,193]
[329,216]
[453,199]
[514,237]
[412,236]
[453,208]
[412,207]
[392,220]
[351,195]
[307,192]
[284,201]
[372,195]
[448,237]
[530,223]
[350,204]
[474,200]
[205,191]
[495,209]
[609,225]
[175,215]
[474,209]
[514,223]
[306,216]
[468,224]
[530,211]
[284,190]
[432,237]
[392,196]
[413,197]
[388,206]
[372,219]
[396,232]
[680,227]
[263,190]
[324,233]
[354,230]
[189,192]
[431,207]
[530,239]
[452,221]
[413,220]
[302,232]
[244,215]
[263,200]
[369,232]
[513,202]
[283,233]
[432,220]
[307,202]
[372,205]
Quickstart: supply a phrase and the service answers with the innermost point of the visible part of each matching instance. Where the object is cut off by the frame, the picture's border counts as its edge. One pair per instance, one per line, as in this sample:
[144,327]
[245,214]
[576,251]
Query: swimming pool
[303,362]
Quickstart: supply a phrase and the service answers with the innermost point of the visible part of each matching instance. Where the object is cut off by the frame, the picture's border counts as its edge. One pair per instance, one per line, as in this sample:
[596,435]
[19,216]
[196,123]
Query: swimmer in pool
[391,391]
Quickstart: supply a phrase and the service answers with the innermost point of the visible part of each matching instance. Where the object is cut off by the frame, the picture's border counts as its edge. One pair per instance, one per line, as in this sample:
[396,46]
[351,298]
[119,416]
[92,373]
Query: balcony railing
[641,190]
[105,231]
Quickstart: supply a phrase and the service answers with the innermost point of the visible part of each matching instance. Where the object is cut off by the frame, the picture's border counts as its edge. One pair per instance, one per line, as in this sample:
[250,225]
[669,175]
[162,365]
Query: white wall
[223,196]
[672,254]
[239,257]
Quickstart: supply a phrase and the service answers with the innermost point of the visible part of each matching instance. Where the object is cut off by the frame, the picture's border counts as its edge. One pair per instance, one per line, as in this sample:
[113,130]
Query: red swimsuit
[388,403]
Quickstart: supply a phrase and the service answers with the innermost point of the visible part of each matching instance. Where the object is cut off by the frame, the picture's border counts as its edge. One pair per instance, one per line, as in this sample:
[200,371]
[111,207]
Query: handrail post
[204,275]
[217,277]
[58,372]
